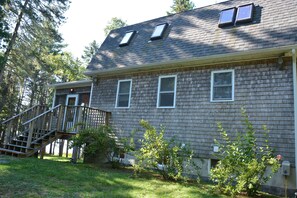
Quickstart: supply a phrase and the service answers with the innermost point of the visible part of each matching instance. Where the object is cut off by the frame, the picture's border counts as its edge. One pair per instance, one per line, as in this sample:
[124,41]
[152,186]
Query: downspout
[91,94]
[295,105]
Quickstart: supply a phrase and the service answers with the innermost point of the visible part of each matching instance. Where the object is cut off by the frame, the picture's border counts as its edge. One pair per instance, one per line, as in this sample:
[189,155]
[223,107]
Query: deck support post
[107,118]
[74,154]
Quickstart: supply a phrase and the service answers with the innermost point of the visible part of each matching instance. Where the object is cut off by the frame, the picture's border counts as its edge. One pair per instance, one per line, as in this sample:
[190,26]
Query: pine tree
[181,6]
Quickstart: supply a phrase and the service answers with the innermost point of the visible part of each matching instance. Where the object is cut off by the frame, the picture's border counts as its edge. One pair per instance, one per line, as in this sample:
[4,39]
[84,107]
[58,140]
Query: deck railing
[66,119]
[12,127]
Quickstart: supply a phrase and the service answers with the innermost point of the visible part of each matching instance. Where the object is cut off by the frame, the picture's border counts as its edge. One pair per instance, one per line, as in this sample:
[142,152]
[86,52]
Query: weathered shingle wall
[264,90]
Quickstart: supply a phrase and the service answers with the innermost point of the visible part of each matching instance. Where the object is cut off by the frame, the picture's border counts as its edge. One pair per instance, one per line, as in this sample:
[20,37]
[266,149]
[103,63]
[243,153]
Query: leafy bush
[96,141]
[243,163]
[167,157]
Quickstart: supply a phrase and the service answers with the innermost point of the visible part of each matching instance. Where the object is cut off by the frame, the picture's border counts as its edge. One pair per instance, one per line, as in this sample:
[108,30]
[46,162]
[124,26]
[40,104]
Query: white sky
[87,19]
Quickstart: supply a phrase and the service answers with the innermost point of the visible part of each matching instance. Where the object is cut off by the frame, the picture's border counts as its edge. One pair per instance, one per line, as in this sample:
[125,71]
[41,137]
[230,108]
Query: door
[70,111]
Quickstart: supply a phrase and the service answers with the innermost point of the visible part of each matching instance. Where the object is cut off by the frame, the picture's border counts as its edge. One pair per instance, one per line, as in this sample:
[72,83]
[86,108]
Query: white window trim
[159,87]
[130,91]
[233,85]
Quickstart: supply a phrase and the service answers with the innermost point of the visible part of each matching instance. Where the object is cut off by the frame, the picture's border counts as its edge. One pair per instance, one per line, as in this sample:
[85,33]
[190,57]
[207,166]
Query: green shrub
[96,141]
[243,163]
[169,158]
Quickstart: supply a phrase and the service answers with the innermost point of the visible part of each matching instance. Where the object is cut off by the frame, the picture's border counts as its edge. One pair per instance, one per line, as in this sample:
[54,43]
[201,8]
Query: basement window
[127,38]
[222,86]
[245,13]
[227,17]
[159,31]
[124,93]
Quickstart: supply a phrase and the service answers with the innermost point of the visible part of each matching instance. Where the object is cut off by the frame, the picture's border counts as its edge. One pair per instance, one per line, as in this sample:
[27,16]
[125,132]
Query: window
[166,92]
[124,93]
[212,163]
[227,17]
[127,38]
[222,86]
[245,13]
[159,31]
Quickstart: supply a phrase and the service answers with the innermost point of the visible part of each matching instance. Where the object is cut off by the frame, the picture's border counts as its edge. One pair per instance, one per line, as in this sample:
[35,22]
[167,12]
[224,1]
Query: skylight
[227,17]
[127,38]
[245,13]
[159,31]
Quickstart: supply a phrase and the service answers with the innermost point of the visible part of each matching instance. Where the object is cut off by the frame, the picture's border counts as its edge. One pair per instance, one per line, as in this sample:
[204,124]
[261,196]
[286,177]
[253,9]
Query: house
[189,71]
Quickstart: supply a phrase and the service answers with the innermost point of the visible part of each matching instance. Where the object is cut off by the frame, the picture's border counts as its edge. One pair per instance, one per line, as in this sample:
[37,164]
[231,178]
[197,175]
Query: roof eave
[259,54]
[81,83]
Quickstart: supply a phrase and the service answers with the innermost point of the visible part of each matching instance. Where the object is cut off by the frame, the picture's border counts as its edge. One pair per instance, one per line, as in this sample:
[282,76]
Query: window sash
[123,98]
[224,91]
[166,99]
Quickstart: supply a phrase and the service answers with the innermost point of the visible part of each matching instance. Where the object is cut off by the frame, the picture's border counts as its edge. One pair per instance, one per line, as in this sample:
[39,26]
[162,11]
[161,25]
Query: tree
[28,13]
[114,23]
[90,51]
[181,6]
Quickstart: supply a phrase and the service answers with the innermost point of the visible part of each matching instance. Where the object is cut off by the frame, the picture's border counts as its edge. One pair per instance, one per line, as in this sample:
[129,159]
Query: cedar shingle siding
[264,90]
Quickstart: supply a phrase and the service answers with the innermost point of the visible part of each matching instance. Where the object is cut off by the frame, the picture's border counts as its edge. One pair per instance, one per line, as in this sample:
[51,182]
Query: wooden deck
[30,131]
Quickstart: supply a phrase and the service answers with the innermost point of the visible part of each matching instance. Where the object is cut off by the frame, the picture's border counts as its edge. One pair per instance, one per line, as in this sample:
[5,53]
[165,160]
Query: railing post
[31,129]
[7,133]
[79,118]
[107,118]
[60,118]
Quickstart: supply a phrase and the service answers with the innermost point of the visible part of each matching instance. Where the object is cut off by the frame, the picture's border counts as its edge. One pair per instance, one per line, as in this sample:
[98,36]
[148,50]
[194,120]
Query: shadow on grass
[56,177]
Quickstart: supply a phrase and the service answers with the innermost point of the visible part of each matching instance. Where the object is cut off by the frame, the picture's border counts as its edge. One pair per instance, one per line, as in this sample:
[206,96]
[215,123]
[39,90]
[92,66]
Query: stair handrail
[12,127]
[18,115]
[40,115]
[44,124]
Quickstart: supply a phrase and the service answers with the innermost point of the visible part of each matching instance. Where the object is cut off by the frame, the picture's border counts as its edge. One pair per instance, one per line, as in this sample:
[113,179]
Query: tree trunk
[61,148]
[67,148]
[12,41]
[51,147]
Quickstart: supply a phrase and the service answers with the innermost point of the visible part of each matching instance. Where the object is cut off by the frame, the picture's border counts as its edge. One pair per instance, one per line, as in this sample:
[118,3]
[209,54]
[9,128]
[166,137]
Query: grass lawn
[56,177]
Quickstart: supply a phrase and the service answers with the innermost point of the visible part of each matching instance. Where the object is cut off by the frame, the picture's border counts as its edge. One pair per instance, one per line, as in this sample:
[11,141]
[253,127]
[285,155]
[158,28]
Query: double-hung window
[166,92]
[222,86]
[124,93]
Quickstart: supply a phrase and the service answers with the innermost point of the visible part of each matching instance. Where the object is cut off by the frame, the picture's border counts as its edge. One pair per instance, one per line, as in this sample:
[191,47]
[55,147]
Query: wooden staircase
[31,131]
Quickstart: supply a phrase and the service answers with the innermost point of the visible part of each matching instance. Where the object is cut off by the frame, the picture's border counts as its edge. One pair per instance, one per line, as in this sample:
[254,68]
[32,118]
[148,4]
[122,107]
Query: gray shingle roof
[195,34]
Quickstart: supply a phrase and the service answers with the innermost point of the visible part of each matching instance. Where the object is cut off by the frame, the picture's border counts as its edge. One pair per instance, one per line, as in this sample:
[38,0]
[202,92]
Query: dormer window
[159,31]
[245,13]
[127,38]
[227,17]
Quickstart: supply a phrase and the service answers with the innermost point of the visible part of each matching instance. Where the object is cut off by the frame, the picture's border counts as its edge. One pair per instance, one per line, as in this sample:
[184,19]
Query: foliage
[96,140]
[32,54]
[167,157]
[243,163]
[114,23]
[181,6]
[90,51]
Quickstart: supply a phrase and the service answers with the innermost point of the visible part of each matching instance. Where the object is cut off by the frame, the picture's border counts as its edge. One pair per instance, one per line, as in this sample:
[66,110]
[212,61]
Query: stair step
[19,146]
[11,151]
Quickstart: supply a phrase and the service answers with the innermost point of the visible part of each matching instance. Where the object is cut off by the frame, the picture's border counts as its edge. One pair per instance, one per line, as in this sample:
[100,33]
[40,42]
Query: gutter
[248,55]
[295,105]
